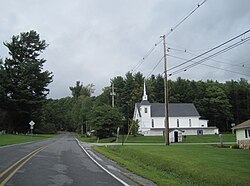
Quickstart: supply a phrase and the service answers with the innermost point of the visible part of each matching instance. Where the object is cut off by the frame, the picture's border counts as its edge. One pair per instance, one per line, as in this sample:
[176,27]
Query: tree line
[221,103]
[23,96]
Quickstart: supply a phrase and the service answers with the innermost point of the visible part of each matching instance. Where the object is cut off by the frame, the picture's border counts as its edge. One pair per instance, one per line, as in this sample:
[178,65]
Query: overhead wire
[177,57]
[214,48]
[135,68]
[155,67]
[186,16]
[208,57]
[215,60]
[219,52]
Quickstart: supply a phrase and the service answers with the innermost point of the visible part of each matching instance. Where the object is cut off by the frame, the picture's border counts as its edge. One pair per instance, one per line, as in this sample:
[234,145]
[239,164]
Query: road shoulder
[116,169]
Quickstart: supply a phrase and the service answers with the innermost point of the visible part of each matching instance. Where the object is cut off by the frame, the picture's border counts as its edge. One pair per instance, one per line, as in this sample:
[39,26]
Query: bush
[45,128]
[235,146]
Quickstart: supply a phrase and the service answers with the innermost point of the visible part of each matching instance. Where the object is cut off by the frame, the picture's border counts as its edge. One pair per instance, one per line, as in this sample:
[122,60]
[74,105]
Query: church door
[176,136]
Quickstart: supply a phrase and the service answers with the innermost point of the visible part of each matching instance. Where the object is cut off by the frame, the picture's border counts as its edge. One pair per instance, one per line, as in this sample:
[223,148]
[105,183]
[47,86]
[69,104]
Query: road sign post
[31,123]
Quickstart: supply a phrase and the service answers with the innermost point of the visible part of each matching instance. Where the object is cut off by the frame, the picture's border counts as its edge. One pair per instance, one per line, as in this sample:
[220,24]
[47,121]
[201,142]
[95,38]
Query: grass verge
[9,139]
[184,165]
[161,139]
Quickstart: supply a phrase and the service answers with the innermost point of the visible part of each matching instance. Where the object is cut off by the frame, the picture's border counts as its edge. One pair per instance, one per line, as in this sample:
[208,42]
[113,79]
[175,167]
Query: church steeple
[145,96]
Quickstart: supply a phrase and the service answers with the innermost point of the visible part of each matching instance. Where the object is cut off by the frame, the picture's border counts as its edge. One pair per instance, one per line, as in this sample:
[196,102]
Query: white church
[184,119]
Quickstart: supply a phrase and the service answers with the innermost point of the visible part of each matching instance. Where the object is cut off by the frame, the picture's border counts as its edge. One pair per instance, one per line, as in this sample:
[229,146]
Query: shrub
[235,146]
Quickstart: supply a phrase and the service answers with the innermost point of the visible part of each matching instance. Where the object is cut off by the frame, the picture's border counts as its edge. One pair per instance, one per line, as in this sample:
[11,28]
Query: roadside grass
[184,165]
[209,138]
[9,139]
[161,139]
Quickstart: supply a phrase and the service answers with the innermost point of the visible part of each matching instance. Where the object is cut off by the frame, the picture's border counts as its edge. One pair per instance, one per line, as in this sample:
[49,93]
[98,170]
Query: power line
[213,55]
[218,61]
[177,57]
[155,67]
[171,30]
[214,48]
[185,17]
[135,68]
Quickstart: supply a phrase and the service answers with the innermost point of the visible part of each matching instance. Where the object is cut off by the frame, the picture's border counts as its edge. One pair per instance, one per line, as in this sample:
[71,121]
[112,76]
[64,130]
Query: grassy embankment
[8,139]
[184,165]
[161,139]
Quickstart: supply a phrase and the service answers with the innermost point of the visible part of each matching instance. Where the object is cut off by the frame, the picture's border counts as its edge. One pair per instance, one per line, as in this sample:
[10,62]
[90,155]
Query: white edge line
[118,179]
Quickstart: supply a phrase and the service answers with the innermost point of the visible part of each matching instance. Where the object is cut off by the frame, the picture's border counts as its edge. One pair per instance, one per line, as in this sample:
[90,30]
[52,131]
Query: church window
[190,123]
[146,110]
[178,123]
[153,123]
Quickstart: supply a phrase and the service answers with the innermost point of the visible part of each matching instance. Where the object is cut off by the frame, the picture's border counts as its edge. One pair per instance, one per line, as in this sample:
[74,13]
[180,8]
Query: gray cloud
[94,41]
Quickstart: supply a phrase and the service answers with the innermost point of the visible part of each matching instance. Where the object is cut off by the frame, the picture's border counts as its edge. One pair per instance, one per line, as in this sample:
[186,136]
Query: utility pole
[166,93]
[113,95]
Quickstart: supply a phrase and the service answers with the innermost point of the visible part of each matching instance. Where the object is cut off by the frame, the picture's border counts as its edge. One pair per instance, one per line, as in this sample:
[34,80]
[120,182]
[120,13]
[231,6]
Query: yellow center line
[26,159]
[7,170]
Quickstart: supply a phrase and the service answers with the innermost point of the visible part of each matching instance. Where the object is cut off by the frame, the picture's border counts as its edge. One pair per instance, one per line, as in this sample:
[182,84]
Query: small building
[243,134]
[184,119]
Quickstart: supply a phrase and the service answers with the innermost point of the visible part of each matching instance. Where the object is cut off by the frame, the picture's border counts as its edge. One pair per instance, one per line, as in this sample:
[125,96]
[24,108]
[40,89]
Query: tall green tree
[105,120]
[238,93]
[104,98]
[216,107]
[79,90]
[25,82]
[80,112]
[119,84]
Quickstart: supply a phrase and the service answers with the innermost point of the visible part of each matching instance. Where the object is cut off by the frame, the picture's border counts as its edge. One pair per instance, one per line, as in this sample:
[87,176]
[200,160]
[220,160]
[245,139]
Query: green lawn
[184,165]
[209,138]
[161,139]
[8,139]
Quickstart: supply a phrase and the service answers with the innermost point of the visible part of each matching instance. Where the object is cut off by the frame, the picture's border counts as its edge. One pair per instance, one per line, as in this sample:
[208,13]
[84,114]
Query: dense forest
[23,96]
[221,103]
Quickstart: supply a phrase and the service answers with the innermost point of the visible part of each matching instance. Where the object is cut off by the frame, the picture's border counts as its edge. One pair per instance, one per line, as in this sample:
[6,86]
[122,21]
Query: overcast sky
[96,40]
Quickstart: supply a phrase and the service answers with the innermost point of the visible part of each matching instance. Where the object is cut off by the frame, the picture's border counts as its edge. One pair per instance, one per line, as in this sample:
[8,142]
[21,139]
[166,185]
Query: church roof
[175,109]
[145,102]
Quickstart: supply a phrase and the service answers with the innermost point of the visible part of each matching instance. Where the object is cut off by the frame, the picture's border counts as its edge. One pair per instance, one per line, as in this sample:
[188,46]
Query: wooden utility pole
[113,95]
[166,93]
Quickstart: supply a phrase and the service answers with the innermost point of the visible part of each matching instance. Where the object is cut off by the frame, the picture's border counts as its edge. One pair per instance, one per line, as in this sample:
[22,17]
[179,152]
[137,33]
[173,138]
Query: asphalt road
[56,161]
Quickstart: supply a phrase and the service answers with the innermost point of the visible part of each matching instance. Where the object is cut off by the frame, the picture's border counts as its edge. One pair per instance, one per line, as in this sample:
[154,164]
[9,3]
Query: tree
[24,84]
[134,126]
[238,94]
[79,90]
[104,98]
[215,106]
[119,84]
[105,120]
[80,111]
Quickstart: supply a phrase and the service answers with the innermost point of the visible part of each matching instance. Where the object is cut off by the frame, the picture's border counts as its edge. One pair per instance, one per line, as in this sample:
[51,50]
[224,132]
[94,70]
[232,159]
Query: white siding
[206,131]
[240,135]
[145,117]
[159,122]
[203,122]
[184,122]
[185,126]
[153,133]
